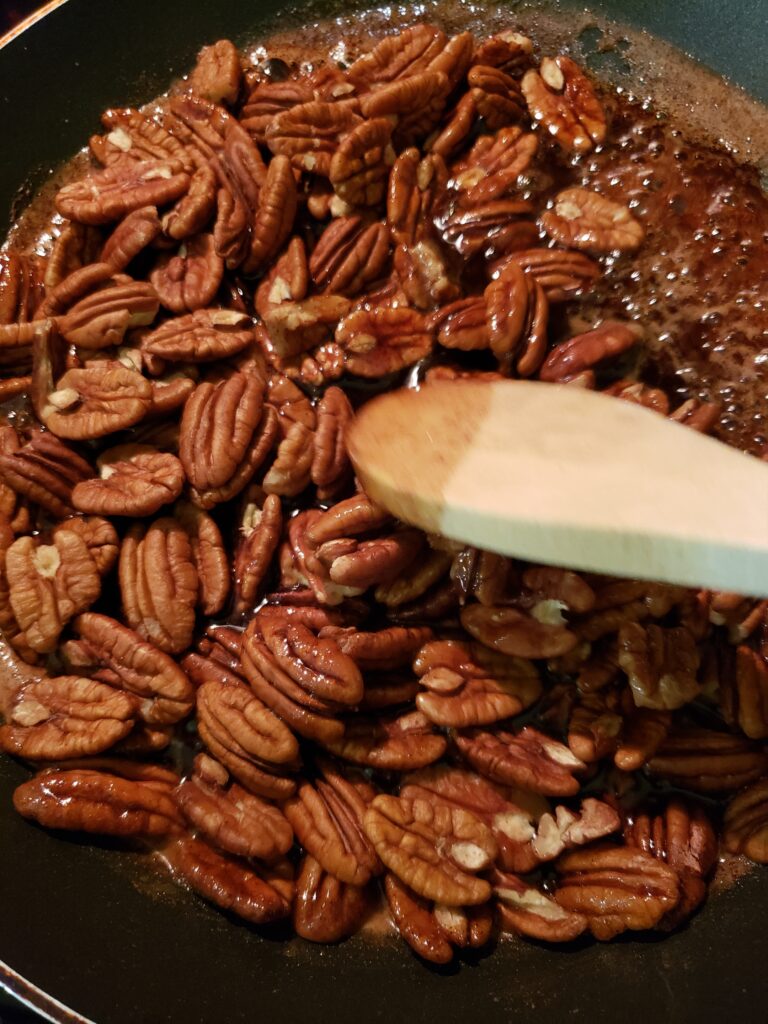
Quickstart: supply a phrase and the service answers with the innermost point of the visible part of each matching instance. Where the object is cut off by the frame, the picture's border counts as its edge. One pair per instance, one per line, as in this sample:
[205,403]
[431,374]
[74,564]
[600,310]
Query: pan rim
[31,19]
[27,993]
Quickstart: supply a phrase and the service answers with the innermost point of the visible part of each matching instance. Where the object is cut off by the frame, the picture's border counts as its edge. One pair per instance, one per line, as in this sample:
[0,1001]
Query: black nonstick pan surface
[87,927]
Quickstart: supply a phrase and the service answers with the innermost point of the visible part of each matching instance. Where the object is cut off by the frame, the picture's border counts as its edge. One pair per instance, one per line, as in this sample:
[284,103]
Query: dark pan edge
[30,995]
[29,21]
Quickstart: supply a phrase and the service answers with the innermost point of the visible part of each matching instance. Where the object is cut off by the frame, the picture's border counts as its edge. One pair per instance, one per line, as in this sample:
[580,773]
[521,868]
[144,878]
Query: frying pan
[87,924]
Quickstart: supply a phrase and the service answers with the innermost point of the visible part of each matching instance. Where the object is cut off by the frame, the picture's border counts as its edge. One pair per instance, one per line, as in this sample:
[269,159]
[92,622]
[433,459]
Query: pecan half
[99,399]
[526,910]
[529,759]
[400,742]
[326,909]
[260,530]
[745,825]
[258,897]
[359,168]
[744,692]
[159,583]
[463,689]
[310,133]
[349,255]
[65,717]
[562,274]
[209,555]
[616,888]
[96,801]
[661,664]
[110,194]
[561,98]
[584,351]
[383,340]
[706,761]
[496,95]
[45,470]
[587,220]
[511,631]
[200,337]
[216,75]
[189,279]
[381,650]
[99,536]
[432,931]
[135,480]
[434,849]
[131,236]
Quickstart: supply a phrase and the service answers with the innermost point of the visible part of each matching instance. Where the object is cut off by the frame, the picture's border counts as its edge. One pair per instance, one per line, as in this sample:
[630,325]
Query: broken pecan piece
[526,910]
[436,850]
[189,279]
[399,742]
[216,75]
[260,530]
[383,340]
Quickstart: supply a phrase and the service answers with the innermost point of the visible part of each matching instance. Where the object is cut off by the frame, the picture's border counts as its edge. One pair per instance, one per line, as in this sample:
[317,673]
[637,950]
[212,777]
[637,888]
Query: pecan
[76,246]
[99,399]
[310,133]
[455,130]
[119,656]
[560,97]
[587,220]
[432,931]
[349,255]
[399,742]
[525,910]
[258,897]
[683,837]
[99,536]
[331,468]
[644,732]
[570,590]
[661,664]
[269,99]
[482,574]
[584,351]
[111,194]
[509,50]
[357,565]
[260,534]
[131,236]
[328,821]
[325,909]
[49,584]
[529,759]
[510,631]
[565,829]
[348,518]
[616,888]
[745,825]
[744,692]
[291,470]
[398,56]
[234,820]
[159,583]
[415,103]
[244,735]
[517,314]
[190,278]
[701,416]
[383,649]
[387,690]
[415,185]
[491,168]
[96,801]
[45,470]
[294,327]
[436,850]
[66,717]
[562,274]
[200,337]
[135,137]
[193,212]
[595,726]
[359,168]
[705,761]
[308,715]
[218,426]
[640,394]
[497,96]
[382,340]
[216,75]
[262,443]
[274,216]
[170,394]
[464,689]
[134,480]
[209,556]
[415,580]
[489,228]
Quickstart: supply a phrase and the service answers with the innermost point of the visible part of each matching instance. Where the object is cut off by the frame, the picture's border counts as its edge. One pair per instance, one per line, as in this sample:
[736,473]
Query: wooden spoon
[561,475]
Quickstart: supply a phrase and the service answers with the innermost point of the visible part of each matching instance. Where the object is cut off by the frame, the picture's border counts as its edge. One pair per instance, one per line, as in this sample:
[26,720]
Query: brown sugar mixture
[214,644]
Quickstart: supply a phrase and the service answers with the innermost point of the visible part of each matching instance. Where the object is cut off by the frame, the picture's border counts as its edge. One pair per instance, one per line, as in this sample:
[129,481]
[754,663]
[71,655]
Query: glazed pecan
[616,888]
[200,337]
[436,850]
[706,761]
[49,584]
[744,692]
[99,399]
[358,565]
[465,688]
[193,212]
[529,759]
[259,897]
[327,818]
[394,742]
[414,103]
[511,631]
[244,735]
[159,583]
[134,480]
[331,468]
[562,274]
[268,99]
[99,536]
[432,931]
[96,801]
[101,319]
[383,340]
[661,664]
[509,50]
[64,717]
[131,236]
[560,97]
[359,168]
[209,555]
[233,819]
[584,351]
[134,138]
[383,649]
[325,909]
[216,75]
[414,581]
[517,314]
[683,837]
[260,529]
[745,825]
[76,246]
[525,910]
[110,194]
[489,229]
[45,470]
[117,655]
[310,133]
[189,279]
[491,169]
[349,255]
[274,216]
[587,220]
[398,56]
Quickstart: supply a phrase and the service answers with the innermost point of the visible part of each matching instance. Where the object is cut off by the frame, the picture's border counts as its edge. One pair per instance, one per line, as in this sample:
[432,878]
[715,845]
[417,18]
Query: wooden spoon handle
[570,477]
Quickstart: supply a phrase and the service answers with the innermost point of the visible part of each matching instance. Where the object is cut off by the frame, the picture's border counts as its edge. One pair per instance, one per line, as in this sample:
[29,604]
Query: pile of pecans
[185,555]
